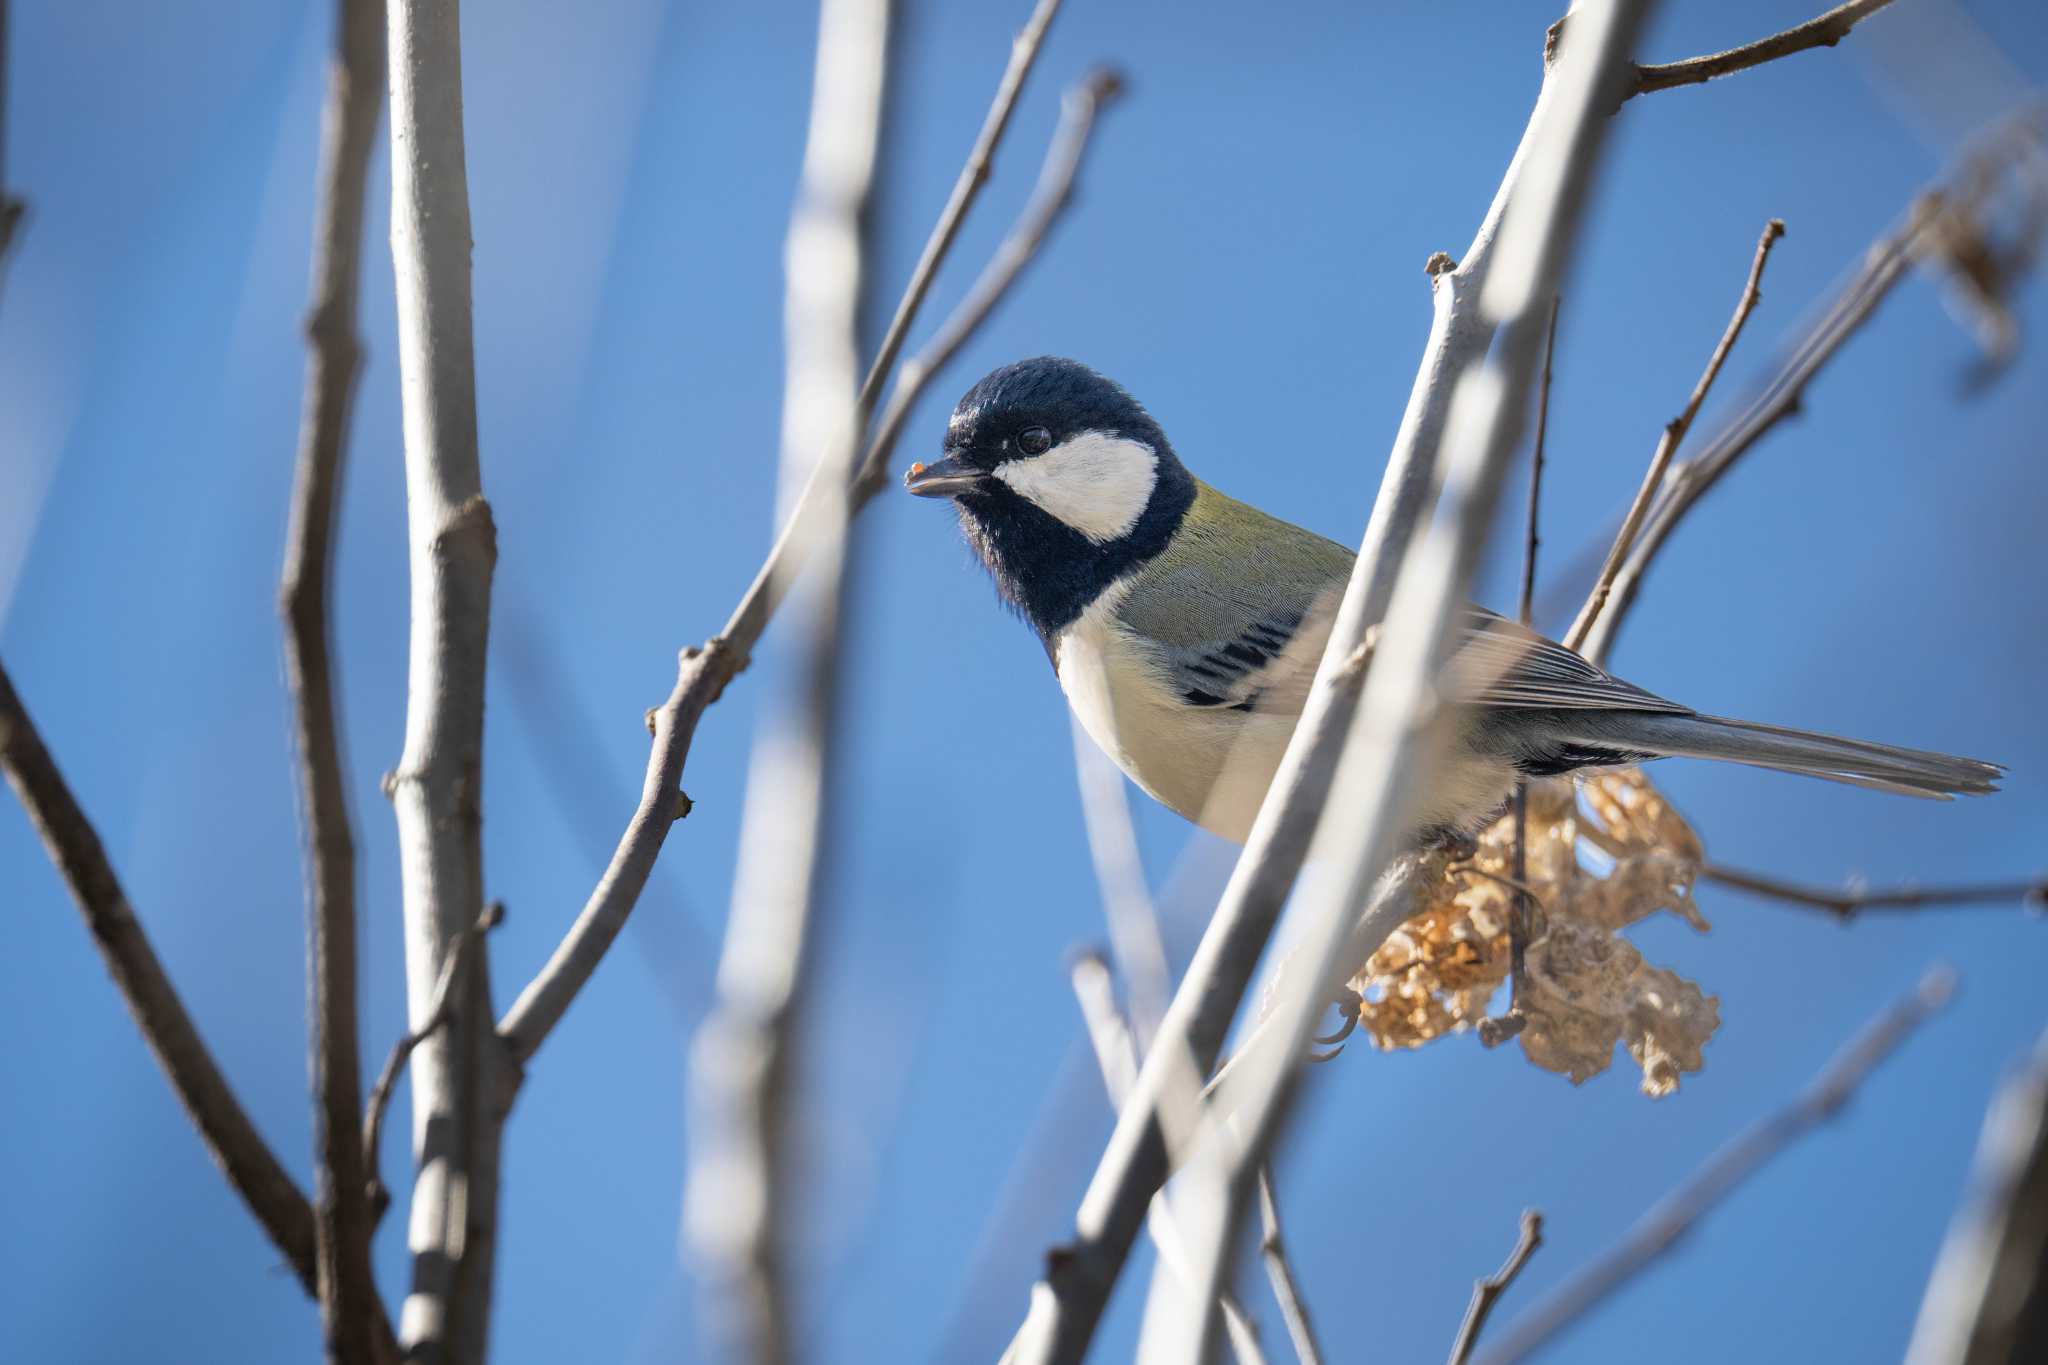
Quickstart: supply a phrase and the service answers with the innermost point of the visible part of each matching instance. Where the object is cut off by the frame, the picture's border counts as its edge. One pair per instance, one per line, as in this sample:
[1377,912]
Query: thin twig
[224,1126]
[1666,1223]
[1930,223]
[462,1078]
[1066,1305]
[980,162]
[1824,31]
[703,673]
[1301,1329]
[1846,903]
[742,1058]
[1116,1054]
[376,1195]
[350,1309]
[1487,1293]
[1520,930]
[1674,435]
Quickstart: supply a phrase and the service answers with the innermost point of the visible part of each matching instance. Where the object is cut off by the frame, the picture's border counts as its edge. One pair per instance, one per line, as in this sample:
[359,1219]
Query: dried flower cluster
[1601,854]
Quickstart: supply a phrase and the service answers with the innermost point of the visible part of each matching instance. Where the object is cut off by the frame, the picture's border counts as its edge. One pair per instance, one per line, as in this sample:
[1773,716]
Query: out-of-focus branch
[1937,220]
[1846,903]
[1486,1293]
[462,1078]
[1987,1303]
[1674,435]
[1116,1053]
[350,1309]
[1657,1231]
[742,1057]
[443,1013]
[1134,937]
[224,1126]
[1393,742]
[704,671]
[1824,31]
[12,208]
[1301,1329]
[1066,1305]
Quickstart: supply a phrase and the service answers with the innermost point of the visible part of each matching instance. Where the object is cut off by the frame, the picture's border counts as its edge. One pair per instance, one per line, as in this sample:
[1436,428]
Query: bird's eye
[1034,440]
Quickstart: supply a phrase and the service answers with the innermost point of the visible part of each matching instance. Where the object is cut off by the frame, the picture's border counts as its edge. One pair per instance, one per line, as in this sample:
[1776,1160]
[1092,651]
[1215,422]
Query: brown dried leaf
[1588,988]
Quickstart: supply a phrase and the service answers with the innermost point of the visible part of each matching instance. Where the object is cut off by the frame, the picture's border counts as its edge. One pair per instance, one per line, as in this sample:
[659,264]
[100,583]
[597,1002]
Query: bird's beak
[949,478]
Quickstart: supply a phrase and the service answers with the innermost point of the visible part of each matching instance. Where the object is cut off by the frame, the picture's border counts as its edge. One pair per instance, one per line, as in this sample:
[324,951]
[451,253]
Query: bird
[1185,627]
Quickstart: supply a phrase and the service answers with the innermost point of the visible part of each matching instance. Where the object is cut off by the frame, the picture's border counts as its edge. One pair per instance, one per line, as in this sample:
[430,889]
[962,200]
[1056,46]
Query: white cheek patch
[1096,483]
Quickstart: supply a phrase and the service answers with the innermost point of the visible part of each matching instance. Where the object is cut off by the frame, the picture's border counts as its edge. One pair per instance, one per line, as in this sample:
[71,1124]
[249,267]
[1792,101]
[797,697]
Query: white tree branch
[462,1079]
[741,1060]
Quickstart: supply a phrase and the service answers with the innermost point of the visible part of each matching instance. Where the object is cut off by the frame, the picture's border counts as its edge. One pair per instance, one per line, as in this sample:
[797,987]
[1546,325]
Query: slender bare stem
[1301,1328]
[704,672]
[224,1126]
[1116,1053]
[741,1061]
[980,163]
[1486,1293]
[1519,927]
[462,1078]
[350,1309]
[1824,31]
[1660,1229]
[1066,1305]
[1674,435]
[376,1194]
[1936,219]
[1846,903]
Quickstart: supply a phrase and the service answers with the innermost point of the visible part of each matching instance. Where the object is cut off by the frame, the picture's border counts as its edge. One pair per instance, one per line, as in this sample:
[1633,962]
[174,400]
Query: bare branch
[1660,1229]
[741,1061]
[704,672]
[1848,902]
[351,1312]
[975,174]
[1824,31]
[1674,435]
[462,1078]
[74,846]
[1486,1293]
[1286,1289]
[1394,740]
[1987,1302]
[376,1195]
[1935,221]
[1116,1053]
[1067,1304]
[1520,930]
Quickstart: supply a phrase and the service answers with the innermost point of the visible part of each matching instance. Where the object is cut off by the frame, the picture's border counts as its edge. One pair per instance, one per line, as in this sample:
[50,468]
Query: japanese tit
[1185,626]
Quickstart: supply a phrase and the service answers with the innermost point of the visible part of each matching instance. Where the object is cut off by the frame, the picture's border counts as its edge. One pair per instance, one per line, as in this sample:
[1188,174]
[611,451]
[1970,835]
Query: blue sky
[1245,255]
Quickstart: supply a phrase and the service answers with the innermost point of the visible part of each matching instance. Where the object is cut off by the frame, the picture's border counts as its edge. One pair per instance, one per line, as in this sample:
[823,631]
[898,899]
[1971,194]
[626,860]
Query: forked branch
[704,671]
[352,1314]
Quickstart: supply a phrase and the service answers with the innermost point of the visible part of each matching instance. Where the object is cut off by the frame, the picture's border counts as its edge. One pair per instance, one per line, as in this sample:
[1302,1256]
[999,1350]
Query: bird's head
[1063,481]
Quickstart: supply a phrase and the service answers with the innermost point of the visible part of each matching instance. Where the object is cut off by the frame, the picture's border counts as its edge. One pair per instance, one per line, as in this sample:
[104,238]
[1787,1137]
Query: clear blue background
[1247,256]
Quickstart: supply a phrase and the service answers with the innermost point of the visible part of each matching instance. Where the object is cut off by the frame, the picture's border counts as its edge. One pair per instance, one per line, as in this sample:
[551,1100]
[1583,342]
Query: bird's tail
[1909,772]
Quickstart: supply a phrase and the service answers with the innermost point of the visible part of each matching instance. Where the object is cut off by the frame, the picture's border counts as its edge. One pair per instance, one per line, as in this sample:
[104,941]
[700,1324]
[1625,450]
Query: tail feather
[1884,767]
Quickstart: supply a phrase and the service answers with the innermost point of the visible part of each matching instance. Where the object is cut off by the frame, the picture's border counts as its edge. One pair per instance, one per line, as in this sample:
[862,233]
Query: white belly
[1211,764]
